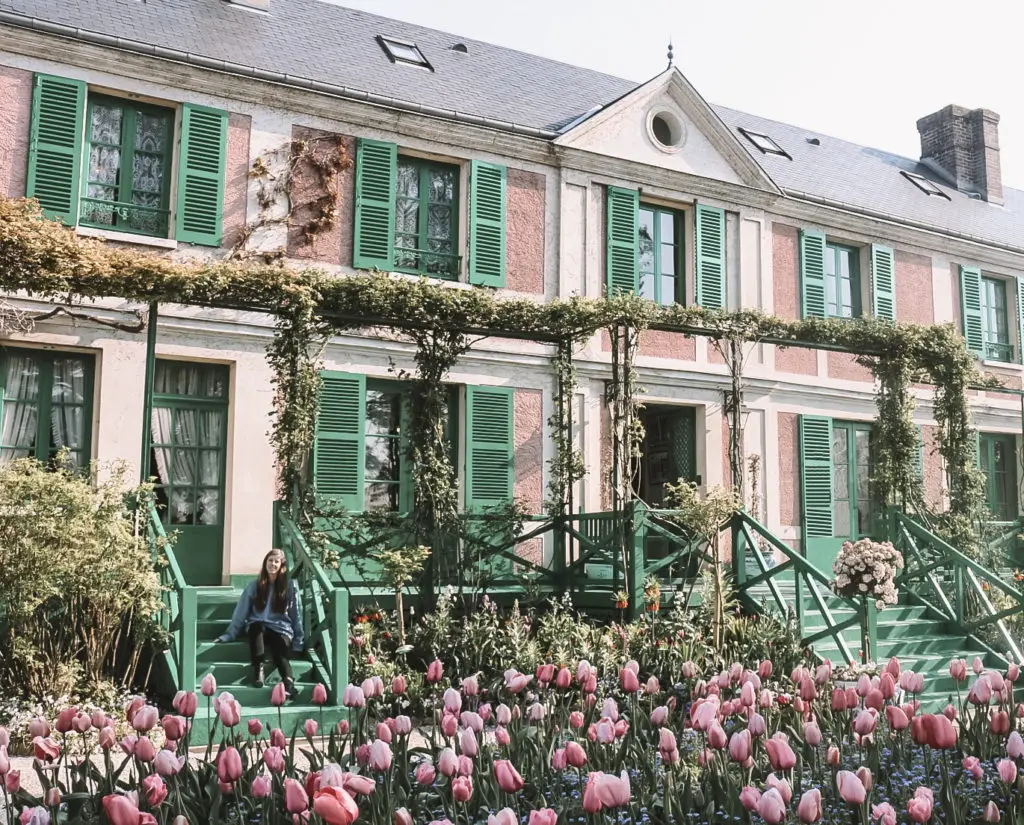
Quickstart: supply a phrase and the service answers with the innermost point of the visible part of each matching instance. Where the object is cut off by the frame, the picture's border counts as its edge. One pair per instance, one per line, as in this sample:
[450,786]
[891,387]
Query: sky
[859,70]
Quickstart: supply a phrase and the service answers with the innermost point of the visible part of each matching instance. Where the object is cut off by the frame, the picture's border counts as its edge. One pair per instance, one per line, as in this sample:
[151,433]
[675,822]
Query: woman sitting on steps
[269,613]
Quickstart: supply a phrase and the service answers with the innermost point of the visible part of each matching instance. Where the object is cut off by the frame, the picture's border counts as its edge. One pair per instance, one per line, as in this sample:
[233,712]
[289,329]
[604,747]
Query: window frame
[986,463]
[44,401]
[425,166]
[127,149]
[679,221]
[833,281]
[765,144]
[998,347]
[386,41]
[852,475]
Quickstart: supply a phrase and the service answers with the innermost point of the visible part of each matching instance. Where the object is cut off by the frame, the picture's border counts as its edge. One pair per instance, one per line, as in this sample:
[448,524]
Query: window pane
[668,259]
[66,427]
[668,227]
[183,505]
[383,413]
[209,468]
[647,285]
[382,458]
[442,185]
[68,381]
[160,464]
[645,235]
[104,166]
[19,428]
[439,223]
[407,218]
[105,124]
[381,496]
[184,467]
[668,290]
[208,507]
[408,184]
[22,382]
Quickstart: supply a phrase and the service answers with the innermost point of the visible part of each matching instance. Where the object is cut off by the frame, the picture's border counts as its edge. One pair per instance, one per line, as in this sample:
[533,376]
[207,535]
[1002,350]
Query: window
[45,406]
[427,218]
[842,281]
[994,320]
[766,144]
[851,485]
[126,185]
[997,457]
[105,162]
[924,185]
[386,471]
[661,255]
[403,51]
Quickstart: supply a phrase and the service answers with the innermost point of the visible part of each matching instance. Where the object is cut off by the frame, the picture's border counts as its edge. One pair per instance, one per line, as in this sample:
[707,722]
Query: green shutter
[883,282]
[487,193]
[489,446]
[816,475]
[55,146]
[970,309]
[376,179]
[338,449]
[710,257]
[1020,319]
[812,274]
[622,263]
[200,193]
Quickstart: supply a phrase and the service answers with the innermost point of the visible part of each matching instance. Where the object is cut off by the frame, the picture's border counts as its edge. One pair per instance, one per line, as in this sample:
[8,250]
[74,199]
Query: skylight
[924,185]
[764,143]
[403,51]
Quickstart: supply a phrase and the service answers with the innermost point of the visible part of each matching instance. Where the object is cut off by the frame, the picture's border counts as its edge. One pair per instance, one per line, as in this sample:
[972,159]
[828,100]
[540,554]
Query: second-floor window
[842,281]
[994,323]
[661,255]
[128,167]
[427,218]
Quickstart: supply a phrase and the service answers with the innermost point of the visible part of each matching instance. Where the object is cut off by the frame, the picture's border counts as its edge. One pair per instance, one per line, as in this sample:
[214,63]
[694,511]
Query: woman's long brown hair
[280,602]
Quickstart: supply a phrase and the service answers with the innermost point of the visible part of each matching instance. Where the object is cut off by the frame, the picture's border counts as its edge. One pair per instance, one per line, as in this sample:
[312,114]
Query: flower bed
[557,745]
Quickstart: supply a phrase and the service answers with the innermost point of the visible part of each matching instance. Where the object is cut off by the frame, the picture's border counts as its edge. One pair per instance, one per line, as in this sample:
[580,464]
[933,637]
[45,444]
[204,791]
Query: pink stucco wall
[528,437]
[236,178]
[844,366]
[786,273]
[789,473]
[524,232]
[914,296]
[15,111]
[334,245]
[660,344]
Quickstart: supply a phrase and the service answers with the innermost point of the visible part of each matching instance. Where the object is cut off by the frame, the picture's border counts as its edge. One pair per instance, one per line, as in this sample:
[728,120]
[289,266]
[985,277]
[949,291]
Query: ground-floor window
[45,405]
[852,499]
[997,457]
[669,450]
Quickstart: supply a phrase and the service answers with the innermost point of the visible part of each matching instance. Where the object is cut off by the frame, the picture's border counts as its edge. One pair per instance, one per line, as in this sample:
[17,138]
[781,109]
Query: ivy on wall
[47,261]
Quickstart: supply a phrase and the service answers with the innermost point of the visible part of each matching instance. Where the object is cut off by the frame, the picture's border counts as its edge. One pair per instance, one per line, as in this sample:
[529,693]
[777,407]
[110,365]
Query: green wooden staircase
[950,606]
[193,618]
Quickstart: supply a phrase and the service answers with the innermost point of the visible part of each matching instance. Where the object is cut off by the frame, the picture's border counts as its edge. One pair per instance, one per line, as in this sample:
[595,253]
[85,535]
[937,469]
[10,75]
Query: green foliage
[700,516]
[77,586]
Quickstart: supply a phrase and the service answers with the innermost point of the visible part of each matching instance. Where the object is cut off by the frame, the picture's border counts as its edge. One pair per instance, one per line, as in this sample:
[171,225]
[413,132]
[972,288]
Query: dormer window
[924,184]
[763,142]
[403,51]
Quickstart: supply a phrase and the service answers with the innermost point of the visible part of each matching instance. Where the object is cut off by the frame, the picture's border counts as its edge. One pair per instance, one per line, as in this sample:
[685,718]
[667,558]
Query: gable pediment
[667,124]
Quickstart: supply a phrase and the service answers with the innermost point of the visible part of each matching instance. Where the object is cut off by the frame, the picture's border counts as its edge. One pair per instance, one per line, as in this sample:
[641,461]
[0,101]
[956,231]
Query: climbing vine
[566,465]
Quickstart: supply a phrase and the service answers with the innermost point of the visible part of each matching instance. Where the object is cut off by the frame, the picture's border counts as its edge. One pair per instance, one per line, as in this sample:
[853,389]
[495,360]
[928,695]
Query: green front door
[187,459]
[835,462]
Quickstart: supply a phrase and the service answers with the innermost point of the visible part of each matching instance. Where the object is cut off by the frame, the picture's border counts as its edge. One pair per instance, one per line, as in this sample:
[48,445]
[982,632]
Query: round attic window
[666,131]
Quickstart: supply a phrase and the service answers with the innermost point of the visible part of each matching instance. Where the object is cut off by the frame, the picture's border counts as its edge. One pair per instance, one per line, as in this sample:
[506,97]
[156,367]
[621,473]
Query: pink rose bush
[564,744]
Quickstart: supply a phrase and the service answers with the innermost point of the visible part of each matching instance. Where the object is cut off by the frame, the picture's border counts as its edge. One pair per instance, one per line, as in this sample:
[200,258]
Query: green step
[240,672]
[292,716]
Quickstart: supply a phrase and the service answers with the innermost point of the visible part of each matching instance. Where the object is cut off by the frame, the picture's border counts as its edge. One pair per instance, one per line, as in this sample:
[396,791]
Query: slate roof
[324,42]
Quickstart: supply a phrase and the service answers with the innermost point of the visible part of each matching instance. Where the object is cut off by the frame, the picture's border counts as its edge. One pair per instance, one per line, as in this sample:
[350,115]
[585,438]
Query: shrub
[77,586]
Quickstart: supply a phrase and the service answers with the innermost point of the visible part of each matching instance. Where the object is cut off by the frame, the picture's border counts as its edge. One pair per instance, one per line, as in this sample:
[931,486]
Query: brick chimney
[963,145]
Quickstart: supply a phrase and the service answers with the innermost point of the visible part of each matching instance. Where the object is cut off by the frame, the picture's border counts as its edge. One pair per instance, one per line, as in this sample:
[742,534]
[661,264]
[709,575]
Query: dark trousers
[261,637]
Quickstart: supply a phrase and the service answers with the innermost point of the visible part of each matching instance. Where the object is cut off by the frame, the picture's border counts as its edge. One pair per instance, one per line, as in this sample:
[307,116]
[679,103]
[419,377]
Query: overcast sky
[861,70]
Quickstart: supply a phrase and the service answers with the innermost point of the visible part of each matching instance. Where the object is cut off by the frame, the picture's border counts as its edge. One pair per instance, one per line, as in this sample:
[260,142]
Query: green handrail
[746,533]
[180,614]
[325,608]
[946,563]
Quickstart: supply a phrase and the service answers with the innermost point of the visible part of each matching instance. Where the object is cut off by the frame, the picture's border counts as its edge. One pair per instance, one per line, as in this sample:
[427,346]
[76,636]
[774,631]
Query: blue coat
[287,624]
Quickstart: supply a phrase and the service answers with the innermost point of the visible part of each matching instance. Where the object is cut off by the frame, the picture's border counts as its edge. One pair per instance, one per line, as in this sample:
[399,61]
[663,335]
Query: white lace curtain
[21,407]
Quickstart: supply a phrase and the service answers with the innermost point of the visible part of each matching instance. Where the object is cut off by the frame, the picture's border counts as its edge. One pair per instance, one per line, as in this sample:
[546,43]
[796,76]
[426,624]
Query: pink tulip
[425,773]
[373,687]
[107,738]
[659,716]
[12,781]
[780,755]
[809,808]
[452,701]
[353,697]
[502,714]
[355,783]
[1013,673]
[812,734]
[628,680]
[208,686]
[38,727]
[144,719]
[716,736]
[1007,771]
[756,725]
[958,670]
[558,760]
[611,791]
[255,727]
[335,806]
[939,730]
[155,790]
[506,816]
[277,738]
[575,755]
[564,679]
[310,728]
[319,694]
[864,722]
[740,746]
[977,665]
[884,813]
[185,702]
[897,718]
[278,697]
[465,766]
[667,746]
[273,758]
[398,685]
[1015,745]
[462,788]
[174,726]
[501,735]
[262,786]
[229,766]
[764,668]
[145,750]
[120,810]
[781,785]
[403,725]
[851,789]
[434,672]
[864,775]
[749,797]
[468,743]
[449,725]
[576,720]
[507,776]
[920,806]
[545,816]
[447,762]
[973,766]
[999,722]
[991,813]
[771,807]
[403,817]
[296,800]
[380,755]
[167,763]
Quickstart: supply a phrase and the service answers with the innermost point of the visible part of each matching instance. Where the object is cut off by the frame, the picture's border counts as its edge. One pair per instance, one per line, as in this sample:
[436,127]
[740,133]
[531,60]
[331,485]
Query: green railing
[794,573]
[179,614]
[956,587]
[325,608]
